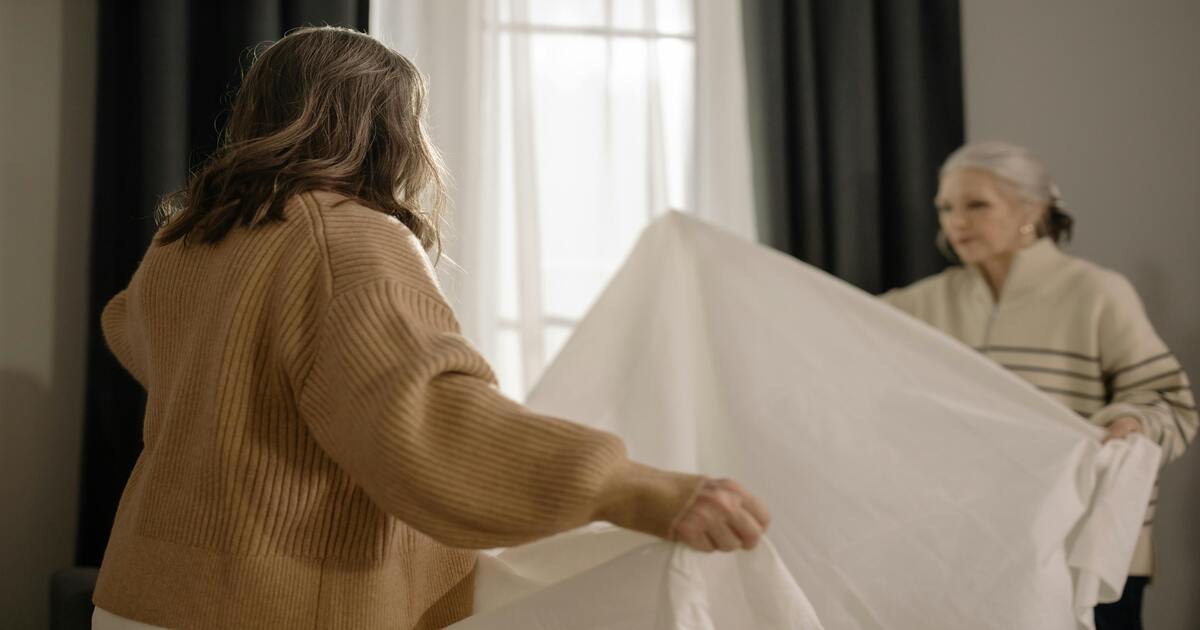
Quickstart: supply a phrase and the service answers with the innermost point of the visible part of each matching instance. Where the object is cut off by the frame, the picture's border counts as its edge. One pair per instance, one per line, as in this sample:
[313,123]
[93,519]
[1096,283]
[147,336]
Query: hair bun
[1059,224]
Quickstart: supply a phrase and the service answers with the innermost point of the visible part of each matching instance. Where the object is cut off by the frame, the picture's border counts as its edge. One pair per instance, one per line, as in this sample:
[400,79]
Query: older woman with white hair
[1073,329]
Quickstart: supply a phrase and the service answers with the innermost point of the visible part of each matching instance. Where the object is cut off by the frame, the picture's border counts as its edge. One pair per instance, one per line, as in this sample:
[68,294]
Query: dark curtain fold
[853,106]
[166,71]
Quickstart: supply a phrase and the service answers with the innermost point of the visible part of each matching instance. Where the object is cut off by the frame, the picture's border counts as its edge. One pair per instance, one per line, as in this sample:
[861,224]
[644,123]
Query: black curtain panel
[166,71]
[853,106]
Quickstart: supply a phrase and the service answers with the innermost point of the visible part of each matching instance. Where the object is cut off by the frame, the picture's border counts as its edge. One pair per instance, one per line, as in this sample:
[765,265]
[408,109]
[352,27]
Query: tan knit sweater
[322,447]
[1076,331]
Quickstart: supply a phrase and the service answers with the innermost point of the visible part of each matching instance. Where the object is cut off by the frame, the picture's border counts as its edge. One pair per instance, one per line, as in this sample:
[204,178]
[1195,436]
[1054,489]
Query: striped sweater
[1076,331]
[322,448]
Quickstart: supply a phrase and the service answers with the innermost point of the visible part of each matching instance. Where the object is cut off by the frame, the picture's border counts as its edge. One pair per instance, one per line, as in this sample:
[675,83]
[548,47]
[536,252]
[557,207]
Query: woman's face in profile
[980,217]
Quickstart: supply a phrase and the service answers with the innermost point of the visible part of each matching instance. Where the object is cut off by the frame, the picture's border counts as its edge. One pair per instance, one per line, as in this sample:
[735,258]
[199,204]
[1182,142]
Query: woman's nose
[954,218]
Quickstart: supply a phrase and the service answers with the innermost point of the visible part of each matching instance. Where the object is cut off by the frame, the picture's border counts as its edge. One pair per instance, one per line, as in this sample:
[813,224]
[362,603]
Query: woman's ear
[1036,214]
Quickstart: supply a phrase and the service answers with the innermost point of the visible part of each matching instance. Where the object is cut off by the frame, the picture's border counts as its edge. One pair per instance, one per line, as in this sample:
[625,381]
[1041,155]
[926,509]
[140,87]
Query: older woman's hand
[1122,427]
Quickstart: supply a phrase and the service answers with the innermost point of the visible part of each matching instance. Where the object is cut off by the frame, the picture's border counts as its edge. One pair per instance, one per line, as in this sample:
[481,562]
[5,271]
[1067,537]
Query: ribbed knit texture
[322,446]
[1079,333]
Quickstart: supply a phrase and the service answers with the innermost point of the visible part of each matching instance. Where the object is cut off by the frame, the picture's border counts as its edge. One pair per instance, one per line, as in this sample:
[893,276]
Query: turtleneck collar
[1029,267]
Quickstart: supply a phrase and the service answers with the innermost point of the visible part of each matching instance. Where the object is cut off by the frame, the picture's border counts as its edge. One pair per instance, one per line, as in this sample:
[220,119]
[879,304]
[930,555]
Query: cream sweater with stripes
[322,448]
[1076,331]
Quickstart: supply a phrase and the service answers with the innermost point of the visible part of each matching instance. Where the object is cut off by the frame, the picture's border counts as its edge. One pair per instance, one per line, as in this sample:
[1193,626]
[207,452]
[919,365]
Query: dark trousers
[1125,613]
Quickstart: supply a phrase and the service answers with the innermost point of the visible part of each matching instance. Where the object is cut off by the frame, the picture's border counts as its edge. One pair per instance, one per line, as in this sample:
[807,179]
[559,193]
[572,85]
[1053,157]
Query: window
[594,117]
[568,126]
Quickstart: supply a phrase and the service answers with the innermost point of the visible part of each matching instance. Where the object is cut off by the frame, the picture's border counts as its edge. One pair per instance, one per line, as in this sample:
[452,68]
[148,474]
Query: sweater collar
[1029,267]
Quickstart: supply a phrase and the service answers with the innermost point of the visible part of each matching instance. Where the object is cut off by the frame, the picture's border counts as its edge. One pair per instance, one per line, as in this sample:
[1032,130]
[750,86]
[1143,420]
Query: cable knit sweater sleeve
[404,403]
[1143,378]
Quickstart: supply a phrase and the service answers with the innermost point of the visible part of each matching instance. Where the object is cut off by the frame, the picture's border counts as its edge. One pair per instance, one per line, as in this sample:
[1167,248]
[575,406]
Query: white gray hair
[1013,164]
[1017,167]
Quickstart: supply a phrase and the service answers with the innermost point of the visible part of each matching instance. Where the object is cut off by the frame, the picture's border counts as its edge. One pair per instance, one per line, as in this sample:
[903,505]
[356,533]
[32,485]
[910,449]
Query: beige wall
[1107,92]
[47,73]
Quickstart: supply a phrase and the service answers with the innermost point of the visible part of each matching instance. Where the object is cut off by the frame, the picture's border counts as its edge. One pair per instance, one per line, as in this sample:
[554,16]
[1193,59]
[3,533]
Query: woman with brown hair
[322,448]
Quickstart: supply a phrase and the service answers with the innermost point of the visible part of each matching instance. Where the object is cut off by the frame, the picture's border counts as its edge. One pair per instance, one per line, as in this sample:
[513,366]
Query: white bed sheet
[914,483]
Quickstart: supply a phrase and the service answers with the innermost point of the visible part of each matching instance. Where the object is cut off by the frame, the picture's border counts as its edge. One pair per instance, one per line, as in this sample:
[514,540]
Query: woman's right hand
[1121,428]
[722,516]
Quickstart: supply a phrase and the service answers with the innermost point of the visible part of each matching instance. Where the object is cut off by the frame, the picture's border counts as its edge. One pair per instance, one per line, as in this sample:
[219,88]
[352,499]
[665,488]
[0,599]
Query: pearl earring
[1027,228]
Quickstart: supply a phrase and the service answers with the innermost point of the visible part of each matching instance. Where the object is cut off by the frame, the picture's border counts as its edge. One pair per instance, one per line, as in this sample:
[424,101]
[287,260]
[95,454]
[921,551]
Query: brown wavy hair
[323,108]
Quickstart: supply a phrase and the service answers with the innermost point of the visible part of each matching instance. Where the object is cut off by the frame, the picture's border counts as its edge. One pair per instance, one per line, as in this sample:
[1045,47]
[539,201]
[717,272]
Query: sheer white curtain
[568,125]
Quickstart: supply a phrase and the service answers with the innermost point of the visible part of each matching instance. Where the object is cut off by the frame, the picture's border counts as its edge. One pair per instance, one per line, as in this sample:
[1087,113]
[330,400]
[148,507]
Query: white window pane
[507,293]
[570,286]
[629,137]
[508,363]
[664,16]
[630,14]
[582,232]
[676,65]
[566,12]
[675,16]
[589,106]
[591,126]
[555,337]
